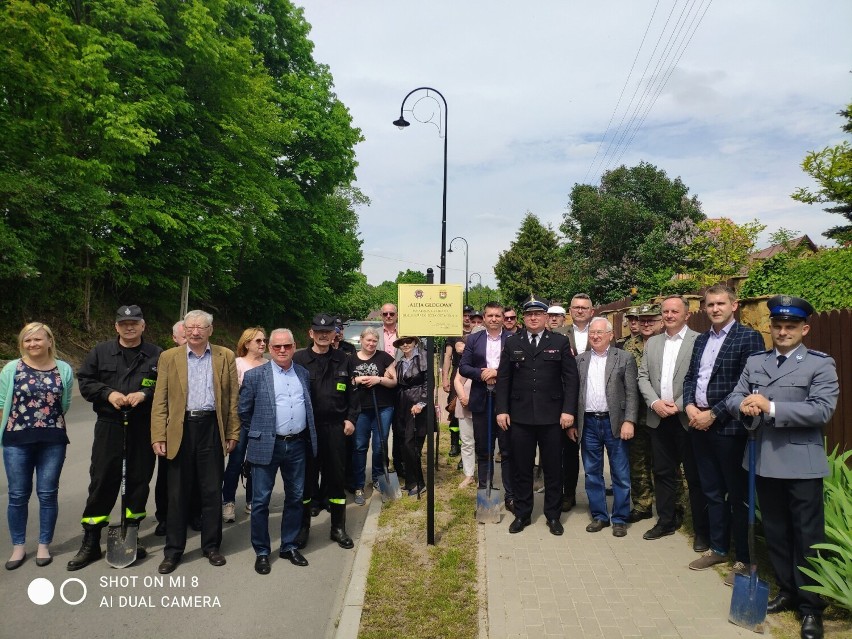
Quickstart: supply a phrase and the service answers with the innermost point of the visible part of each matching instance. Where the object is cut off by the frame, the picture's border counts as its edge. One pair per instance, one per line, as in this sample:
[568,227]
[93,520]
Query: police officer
[335,412]
[794,391]
[118,377]
[536,398]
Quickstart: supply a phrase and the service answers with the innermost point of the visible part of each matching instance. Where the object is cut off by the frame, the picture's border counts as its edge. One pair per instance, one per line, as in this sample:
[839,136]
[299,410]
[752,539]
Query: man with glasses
[536,397]
[116,376]
[510,320]
[581,313]
[650,321]
[578,336]
[389,330]
[336,410]
[194,423]
[275,406]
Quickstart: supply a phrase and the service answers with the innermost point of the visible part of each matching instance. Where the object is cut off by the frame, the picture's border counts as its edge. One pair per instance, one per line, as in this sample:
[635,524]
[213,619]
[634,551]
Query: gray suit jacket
[651,372]
[258,414]
[622,393]
[805,391]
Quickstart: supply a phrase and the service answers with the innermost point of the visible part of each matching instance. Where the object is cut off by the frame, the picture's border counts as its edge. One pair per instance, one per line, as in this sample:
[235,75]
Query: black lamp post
[402,123]
[480,283]
[450,250]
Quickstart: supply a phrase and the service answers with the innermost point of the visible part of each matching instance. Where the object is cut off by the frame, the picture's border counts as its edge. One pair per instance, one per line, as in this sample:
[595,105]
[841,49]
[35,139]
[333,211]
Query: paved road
[290,602]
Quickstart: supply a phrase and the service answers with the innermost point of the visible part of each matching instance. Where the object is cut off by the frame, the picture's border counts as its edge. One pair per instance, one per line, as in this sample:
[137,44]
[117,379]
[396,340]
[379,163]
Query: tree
[530,265]
[720,249]
[616,232]
[832,169]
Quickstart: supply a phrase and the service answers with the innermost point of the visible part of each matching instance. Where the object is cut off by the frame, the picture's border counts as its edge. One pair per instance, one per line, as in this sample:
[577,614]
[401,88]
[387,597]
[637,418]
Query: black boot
[90,550]
[304,530]
[455,446]
[338,526]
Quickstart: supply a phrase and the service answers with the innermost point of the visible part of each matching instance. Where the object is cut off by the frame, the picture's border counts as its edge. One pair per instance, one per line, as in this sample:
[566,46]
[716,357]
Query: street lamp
[402,123]
[465,262]
[480,281]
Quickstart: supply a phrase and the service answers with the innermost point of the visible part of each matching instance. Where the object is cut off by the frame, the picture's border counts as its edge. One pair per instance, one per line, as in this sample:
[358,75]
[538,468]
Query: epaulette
[818,353]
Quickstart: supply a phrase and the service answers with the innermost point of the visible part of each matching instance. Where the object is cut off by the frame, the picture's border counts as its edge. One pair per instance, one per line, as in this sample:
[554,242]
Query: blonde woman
[35,394]
[250,349]
[465,416]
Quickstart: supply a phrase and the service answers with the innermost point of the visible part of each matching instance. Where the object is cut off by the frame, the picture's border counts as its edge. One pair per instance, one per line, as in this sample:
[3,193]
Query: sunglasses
[278,347]
[388,314]
[510,318]
[260,340]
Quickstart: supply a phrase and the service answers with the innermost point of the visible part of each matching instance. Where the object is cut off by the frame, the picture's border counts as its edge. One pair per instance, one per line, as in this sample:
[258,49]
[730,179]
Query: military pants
[642,470]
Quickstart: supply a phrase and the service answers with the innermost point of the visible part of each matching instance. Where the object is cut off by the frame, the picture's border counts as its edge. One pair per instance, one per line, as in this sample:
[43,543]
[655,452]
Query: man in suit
[536,395]
[718,440]
[606,417]
[194,423]
[794,391]
[479,363]
[275,410]
[661,375]
[581,311]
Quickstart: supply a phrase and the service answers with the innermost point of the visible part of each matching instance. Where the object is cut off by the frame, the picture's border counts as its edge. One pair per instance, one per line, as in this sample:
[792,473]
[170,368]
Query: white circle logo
[40,591]
[62,591]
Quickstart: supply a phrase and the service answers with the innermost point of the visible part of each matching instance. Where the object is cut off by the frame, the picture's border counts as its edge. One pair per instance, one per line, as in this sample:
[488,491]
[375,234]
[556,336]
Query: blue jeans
[20,461]
[597,435]
[366,426]
[232,471]
[288,456]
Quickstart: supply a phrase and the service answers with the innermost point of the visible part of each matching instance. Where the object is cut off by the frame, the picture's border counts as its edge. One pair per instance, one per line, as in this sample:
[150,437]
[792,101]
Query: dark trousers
[199,460]
[524,439]
[161,493]
[570,467]
[105,470]
[793,521]
[672,447]
[329,468]
[719,460]
[414,436]
[482,447]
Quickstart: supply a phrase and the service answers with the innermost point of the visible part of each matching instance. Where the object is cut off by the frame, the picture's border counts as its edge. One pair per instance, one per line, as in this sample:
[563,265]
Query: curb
[353,601]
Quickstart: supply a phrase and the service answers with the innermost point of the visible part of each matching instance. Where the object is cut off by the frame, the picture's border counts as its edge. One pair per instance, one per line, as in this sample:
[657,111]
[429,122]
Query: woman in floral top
[35,393]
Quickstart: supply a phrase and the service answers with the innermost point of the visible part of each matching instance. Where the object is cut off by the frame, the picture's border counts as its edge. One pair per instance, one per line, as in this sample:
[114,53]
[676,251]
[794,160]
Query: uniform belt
[288,438]
[200,414]
[598,415]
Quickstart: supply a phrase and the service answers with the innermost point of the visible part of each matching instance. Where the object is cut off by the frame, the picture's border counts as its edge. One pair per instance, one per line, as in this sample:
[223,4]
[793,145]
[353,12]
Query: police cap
[789,308]
[132,312]
[533,303]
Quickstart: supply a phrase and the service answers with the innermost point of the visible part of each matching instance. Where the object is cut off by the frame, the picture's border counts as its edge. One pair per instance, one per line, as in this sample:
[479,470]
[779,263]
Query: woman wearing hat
[409,418]
[35,394]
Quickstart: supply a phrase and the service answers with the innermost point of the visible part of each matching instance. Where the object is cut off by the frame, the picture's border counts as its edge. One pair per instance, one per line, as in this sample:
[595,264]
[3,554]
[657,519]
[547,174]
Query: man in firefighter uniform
[118,377]
[335,412]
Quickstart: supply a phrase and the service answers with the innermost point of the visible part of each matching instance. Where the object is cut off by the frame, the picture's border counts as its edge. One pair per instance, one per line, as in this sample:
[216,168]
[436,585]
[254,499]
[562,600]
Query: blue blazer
[471,365]
[257,411]
[740,343]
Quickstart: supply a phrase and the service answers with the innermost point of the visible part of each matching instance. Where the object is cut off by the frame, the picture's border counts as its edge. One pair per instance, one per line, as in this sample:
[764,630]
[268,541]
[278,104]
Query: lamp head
[401,123]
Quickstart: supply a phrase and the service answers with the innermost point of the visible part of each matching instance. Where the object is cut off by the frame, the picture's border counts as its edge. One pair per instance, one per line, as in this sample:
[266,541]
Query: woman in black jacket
[409,418]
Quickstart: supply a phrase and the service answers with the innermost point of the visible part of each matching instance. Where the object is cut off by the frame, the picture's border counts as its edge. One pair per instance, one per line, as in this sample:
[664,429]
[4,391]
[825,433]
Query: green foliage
[821,278]
[831,569]
[143,140]
[720,249]
[531,264]
[832,169]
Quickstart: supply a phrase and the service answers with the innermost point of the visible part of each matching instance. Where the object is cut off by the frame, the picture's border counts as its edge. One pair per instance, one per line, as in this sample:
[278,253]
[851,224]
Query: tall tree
[832,169]
[530,265]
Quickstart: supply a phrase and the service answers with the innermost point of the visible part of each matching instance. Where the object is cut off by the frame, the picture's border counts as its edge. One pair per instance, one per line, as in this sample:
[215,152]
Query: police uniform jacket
[535,386]
[332,395]
[105,370]
[805,391]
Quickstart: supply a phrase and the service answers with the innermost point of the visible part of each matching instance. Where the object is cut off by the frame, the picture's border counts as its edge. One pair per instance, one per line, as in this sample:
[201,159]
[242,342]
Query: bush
[832,567]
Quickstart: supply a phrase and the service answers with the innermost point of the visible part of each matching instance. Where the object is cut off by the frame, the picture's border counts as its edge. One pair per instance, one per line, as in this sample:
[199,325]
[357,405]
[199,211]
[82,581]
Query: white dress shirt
[596,383]
[670,352]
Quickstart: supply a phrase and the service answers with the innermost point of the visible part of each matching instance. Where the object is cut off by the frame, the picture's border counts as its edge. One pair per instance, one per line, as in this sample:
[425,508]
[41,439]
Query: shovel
[388,482]
[489,503]
[751,595]
[121,538]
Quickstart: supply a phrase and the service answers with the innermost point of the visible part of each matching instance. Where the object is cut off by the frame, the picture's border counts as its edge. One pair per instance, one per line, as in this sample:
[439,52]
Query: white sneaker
[248,508]
[229,512]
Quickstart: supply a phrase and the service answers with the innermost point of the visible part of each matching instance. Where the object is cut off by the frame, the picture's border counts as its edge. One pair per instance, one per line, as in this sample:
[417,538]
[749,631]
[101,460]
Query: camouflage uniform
[641,458]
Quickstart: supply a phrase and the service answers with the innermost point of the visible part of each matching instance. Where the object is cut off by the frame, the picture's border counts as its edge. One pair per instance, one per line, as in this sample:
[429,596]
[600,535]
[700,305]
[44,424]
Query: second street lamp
[402,123]
[459,237]
[480,284]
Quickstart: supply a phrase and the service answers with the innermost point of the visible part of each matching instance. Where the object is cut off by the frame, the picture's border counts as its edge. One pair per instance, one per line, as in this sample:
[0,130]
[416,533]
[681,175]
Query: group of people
[665,403]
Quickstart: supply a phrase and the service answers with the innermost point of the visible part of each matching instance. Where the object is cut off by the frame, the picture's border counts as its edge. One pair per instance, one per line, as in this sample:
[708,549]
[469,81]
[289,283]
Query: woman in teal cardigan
[35,394]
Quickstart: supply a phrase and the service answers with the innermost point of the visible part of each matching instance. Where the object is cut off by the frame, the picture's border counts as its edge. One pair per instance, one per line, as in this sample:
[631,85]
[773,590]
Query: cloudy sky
[539,99]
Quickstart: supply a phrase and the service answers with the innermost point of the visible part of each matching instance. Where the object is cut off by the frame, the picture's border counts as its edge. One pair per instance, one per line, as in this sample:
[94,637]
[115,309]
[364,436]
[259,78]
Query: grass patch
[416,590]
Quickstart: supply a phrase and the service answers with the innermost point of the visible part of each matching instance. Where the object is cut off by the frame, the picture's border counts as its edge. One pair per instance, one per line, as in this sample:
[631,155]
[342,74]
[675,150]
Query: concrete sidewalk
[595,585]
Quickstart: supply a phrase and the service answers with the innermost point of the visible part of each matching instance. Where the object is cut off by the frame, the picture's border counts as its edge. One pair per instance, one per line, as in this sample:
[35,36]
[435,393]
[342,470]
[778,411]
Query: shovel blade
[489,506]
[121,545]
[748,603]
[389,487]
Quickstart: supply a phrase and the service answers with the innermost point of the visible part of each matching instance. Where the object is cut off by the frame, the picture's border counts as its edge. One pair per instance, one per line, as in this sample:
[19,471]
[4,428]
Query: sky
[540,95]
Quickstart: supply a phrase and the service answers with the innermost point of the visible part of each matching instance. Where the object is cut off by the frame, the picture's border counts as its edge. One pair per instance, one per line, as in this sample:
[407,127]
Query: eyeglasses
[648,321]
[190,329]
[388,314]
[510,318]
[598,332]
[581,308]
[278,347]
[260,340]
